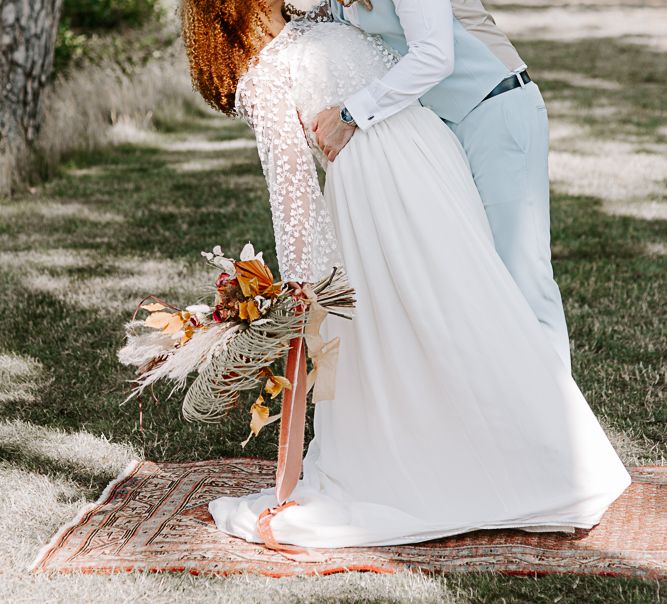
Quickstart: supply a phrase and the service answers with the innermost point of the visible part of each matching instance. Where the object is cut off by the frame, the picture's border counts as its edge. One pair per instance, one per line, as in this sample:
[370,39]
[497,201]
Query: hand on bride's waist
[331,132]
[297,288]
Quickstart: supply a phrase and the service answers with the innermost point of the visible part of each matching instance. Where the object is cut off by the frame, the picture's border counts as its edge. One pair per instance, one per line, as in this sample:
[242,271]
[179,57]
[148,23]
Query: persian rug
[154,517]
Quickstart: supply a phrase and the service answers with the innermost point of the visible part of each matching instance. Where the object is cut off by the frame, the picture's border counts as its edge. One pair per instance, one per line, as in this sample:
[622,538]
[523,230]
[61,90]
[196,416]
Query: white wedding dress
[452,411]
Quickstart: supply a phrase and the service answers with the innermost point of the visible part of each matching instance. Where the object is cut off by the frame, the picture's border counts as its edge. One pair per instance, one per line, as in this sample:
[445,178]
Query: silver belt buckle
[520,78]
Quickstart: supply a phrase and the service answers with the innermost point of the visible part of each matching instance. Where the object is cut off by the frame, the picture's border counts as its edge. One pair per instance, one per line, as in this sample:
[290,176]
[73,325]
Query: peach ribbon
[322,378]
[292,422]
[293,417]
[291,552]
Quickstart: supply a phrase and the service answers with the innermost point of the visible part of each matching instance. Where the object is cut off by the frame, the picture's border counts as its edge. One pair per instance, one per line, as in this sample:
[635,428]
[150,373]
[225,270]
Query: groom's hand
[331,132]
[297,289]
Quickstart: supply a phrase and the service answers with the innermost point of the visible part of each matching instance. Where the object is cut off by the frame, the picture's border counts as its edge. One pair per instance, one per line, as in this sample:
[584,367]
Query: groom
[460,65]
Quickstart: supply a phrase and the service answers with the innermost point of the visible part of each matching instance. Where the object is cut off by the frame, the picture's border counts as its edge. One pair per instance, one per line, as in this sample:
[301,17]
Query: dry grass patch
[129,278]
[201,144]
[645,24]
[655,248]
[202,165]
[611,170]
[51,209]
[21,378]
[96,455]
[633,449]
[578,80]
[101,104]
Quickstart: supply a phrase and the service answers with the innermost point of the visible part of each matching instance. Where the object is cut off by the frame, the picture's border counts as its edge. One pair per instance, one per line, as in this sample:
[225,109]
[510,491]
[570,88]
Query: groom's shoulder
[469,7]
[462,9]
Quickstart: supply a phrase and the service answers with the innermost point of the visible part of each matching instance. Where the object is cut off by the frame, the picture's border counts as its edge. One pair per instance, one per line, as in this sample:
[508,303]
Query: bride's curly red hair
[220,38]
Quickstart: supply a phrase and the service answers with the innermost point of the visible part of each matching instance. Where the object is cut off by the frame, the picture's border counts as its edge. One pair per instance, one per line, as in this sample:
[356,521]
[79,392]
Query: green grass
[65,291]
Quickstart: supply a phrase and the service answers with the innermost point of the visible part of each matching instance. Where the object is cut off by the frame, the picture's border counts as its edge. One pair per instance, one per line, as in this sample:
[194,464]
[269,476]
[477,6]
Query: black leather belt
[509,84]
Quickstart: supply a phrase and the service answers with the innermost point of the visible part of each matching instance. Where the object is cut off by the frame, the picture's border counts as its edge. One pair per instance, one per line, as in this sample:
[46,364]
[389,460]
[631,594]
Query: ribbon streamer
[292,422]
[324,355]
[288,551]
[322,379]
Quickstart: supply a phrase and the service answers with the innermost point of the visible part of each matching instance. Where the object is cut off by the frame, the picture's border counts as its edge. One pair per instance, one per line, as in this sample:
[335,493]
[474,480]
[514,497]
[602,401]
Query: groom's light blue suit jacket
[477,70]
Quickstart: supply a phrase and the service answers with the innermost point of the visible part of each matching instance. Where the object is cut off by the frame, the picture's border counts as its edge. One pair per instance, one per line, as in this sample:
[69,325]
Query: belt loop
[520,78]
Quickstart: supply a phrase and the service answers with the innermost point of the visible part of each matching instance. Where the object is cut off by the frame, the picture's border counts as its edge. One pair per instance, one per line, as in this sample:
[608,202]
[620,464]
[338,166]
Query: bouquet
[232,344]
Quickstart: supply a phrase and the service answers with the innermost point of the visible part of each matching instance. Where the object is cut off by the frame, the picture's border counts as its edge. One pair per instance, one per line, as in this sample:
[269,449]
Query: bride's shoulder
[266,76]
[271,68]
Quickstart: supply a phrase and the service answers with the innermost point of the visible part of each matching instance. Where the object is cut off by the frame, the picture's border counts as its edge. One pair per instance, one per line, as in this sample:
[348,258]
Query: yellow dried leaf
[275,384]
[260,418]
[158,320]
[249,286]
[253,310]
[249,310]
[175,324]
[260,413]
[153,307]
[188,330]
[272,290]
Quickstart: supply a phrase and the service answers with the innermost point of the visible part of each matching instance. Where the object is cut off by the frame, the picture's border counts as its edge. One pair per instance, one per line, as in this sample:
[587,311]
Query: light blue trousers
[506,139]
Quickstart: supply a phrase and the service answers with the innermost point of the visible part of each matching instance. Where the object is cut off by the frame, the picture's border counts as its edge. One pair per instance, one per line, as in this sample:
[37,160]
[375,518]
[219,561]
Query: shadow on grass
[638,70]
[614,299]
[490,588]
[610,286]
[163,212]
[90,482]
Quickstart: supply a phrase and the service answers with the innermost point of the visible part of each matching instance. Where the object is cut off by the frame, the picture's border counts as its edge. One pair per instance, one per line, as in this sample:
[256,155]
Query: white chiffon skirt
[452,411]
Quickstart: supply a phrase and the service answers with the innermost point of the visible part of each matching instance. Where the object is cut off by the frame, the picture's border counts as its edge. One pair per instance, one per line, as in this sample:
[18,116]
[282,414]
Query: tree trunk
[27,45]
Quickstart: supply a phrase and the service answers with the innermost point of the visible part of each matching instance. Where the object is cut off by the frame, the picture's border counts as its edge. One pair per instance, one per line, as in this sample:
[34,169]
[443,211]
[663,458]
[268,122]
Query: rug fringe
[129,468]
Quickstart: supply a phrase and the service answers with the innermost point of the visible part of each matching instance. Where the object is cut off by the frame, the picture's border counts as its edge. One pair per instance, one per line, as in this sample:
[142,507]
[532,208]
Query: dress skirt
[452,410]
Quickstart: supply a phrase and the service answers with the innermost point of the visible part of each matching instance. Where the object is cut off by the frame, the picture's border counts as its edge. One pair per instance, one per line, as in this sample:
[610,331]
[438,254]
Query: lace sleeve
[305,237]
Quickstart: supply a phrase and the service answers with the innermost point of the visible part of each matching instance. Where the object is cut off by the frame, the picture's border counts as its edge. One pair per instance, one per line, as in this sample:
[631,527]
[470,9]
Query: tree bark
[27,44]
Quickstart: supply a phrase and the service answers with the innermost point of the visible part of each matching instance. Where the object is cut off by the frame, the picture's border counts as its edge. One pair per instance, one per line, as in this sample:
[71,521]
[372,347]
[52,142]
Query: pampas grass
[144,344]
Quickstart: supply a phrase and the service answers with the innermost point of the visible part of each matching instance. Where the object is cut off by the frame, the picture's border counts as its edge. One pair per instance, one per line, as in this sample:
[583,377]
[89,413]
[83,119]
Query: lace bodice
[308,67]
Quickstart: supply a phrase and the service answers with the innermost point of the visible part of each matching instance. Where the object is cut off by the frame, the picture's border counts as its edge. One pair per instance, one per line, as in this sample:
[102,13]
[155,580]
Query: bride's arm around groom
[459,64]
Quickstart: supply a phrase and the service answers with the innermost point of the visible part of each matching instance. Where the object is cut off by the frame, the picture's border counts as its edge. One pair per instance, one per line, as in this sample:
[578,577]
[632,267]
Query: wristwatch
[346,116]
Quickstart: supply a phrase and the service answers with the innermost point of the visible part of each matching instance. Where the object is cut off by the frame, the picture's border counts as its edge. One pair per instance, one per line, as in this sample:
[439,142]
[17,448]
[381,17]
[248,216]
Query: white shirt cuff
[361,106]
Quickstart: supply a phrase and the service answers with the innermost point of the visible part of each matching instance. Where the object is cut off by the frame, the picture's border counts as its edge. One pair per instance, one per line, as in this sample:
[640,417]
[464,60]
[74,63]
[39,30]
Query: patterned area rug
[154,518]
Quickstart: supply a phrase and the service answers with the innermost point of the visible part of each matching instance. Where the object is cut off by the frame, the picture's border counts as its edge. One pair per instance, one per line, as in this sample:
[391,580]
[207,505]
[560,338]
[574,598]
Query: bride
[452,410]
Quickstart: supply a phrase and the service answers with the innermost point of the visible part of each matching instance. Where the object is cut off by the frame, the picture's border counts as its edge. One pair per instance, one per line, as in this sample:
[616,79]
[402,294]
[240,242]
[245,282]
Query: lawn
[78,252]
